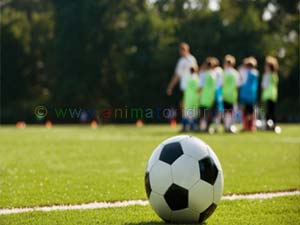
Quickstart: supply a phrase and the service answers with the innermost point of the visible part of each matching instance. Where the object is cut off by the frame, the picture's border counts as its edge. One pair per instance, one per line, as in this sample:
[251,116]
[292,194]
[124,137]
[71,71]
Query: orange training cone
[20,124]
[48,124]
[94,124]
[139,123]
[173,123]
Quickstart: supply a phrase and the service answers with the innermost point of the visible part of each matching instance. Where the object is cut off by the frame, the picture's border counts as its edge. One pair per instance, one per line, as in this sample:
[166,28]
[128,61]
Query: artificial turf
[277,211]
[78,164]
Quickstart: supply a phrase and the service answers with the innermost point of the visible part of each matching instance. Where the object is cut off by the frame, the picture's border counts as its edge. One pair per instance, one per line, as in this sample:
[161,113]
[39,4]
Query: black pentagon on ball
[171,152]
[176,197]
[208,170]
[207,213]
[147,184]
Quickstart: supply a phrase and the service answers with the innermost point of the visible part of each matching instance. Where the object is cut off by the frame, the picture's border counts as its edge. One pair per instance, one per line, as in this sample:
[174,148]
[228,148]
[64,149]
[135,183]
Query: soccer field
[76,164]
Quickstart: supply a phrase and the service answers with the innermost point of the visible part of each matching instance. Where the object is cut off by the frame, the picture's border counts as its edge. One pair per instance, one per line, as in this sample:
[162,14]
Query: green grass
[73,164]
[277,211]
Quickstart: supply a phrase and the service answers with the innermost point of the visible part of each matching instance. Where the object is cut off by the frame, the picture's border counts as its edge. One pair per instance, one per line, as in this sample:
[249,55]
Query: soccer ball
[184,180]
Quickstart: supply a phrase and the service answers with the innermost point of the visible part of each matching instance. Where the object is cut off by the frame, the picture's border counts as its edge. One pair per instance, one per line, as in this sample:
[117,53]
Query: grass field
[77,164]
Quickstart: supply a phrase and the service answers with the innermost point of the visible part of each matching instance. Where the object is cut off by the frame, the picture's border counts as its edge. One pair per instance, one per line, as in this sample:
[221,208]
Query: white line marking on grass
[260,195]
[104,205]
[94,205]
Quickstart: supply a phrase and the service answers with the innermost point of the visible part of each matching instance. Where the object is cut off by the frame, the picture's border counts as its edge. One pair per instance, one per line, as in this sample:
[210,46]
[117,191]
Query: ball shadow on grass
[161,223]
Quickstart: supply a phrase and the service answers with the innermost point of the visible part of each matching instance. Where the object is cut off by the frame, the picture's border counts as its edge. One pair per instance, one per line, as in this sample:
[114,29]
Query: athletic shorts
[249,109]
[228,106]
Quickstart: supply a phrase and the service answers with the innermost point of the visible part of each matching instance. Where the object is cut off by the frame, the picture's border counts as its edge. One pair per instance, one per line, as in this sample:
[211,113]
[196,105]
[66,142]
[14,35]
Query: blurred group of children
[213,94]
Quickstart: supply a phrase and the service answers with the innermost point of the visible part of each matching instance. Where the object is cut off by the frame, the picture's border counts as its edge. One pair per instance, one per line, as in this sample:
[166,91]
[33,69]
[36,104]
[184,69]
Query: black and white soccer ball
[184,180]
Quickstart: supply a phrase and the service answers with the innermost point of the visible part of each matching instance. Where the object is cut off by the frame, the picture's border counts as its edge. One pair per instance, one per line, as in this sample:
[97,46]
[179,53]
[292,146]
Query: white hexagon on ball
[185,171]
[201,196]
[160,177]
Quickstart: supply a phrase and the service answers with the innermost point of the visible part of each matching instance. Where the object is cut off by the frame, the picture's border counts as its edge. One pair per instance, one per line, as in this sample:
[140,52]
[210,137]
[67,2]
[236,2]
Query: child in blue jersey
[248,91]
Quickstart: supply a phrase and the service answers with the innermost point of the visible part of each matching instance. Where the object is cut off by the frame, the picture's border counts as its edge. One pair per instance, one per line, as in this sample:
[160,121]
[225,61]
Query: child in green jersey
[190,100]
[270,89]
[230,90]
[207,84]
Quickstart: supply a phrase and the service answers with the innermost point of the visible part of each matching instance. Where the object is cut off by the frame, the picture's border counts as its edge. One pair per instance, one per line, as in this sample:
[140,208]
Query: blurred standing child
[248,91]
[219,109]
[207,84]
[230,90]
[269,87]
[191,100]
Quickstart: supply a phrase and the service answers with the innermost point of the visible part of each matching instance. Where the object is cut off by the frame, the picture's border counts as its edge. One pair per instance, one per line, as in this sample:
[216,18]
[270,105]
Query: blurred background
[109,53]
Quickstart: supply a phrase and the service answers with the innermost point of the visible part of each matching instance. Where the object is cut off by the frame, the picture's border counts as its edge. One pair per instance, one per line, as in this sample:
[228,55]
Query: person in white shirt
[182,70]
[182,73]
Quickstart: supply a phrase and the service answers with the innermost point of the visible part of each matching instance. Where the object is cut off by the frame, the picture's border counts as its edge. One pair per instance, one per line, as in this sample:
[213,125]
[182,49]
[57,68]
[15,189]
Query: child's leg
[184,120]
[252,122]
[228,116]
[245,119]
[248,117]
[192,124]
[271,110]
[251,118]
[184,124]
[267,106]
[218,120]
[202,118]
[270,114]
[211,115]
[193,118]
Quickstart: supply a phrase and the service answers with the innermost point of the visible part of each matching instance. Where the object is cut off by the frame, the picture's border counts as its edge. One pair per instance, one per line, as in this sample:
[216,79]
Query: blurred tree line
[110,53]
